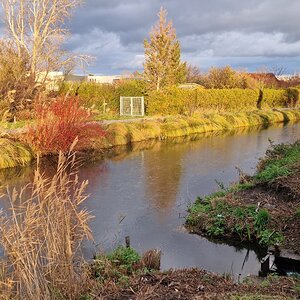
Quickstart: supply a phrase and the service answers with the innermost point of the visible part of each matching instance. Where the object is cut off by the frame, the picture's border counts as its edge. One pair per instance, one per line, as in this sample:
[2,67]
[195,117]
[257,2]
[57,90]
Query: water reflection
[162,182]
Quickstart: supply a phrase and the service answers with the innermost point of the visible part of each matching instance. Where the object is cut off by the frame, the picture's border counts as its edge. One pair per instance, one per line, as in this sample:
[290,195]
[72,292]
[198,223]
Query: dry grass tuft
[14,154]
[151,260]
[41,235]
[118,134]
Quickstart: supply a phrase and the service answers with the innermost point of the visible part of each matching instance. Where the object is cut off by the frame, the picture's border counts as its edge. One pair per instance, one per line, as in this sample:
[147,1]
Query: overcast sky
[245,34]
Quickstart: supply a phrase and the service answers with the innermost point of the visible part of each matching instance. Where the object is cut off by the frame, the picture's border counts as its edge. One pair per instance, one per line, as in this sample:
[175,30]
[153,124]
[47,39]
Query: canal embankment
[129,132]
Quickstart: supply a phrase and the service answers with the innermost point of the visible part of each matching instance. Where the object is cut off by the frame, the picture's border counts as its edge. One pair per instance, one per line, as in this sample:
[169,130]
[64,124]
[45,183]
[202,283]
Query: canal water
[143,191]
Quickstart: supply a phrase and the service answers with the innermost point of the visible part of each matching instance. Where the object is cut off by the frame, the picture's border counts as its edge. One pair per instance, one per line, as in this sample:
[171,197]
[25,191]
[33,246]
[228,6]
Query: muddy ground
[282,199]
[199,284]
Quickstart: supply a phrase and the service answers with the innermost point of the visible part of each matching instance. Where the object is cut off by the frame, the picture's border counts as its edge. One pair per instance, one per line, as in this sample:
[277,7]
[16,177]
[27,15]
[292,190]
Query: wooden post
[143,106]
[127,241]
[264,266]
[121,106]
[104,106]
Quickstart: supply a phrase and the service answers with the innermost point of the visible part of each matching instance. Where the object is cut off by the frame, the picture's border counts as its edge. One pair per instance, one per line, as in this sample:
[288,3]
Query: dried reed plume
[41,236]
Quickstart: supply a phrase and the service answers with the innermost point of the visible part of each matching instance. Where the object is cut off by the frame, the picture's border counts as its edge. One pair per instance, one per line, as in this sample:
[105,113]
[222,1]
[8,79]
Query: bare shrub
[17,89]
[223,78]
[194,74]
[41,236]
[59,123]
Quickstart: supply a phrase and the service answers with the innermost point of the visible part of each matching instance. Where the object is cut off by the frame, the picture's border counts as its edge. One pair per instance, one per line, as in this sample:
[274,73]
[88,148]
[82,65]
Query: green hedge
[274,98]
[95,94]
[173,100]
[293,95]
[281,97]
[179,101]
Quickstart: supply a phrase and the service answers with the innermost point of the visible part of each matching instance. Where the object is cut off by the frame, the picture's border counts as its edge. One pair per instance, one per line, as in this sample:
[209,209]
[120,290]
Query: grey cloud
[111,55]
[242,33]
[194,16]
[230,44]
[214,32]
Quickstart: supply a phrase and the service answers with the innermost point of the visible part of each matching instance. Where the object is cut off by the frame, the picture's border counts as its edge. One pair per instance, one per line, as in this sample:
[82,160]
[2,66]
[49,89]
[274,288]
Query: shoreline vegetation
[263,209]
[123,273]
[14,152]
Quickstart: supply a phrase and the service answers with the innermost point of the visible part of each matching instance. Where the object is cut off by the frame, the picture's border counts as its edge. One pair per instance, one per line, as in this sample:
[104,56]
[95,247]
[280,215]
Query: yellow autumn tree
[163,65]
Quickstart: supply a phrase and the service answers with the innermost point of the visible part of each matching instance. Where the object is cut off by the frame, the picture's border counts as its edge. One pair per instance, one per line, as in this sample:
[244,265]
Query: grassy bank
[123,133]
[14,153]
[264,208]
[164,128]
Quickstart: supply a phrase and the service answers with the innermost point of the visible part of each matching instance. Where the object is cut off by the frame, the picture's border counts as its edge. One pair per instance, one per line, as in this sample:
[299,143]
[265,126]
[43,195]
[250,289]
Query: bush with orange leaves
[59,123]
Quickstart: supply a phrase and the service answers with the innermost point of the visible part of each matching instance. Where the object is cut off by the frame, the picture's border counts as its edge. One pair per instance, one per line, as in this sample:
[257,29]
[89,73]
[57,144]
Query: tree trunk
[260,99]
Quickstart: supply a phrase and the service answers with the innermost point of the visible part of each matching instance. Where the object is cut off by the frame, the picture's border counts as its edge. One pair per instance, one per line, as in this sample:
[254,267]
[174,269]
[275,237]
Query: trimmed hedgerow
[173,100]
[95,95]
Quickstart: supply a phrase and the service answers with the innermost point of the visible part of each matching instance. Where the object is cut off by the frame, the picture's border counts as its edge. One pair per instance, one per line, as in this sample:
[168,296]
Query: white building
[105,79]
[52,79]
[287,77]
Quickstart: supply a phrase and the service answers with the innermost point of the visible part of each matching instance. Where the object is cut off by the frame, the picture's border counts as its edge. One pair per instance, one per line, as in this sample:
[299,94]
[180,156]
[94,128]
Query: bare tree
[278,70]
[193,74]
[37,27]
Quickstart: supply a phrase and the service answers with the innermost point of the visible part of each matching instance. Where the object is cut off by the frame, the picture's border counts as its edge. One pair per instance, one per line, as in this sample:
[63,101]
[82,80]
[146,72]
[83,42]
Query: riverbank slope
[129,132]
[122,133]
[263,209]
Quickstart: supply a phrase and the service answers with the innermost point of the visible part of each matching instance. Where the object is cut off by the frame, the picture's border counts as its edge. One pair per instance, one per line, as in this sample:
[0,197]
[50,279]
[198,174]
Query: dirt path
[103,122]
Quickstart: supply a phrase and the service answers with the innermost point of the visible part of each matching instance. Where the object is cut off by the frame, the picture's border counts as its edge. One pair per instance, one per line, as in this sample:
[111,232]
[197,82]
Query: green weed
[124,257]
[278,162]
[261,220]
[267,237]
[219,218]
[117,265]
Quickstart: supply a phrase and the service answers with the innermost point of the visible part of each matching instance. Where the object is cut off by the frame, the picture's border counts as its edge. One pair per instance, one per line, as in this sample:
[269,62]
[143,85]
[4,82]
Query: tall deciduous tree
[163,65]
[37,27]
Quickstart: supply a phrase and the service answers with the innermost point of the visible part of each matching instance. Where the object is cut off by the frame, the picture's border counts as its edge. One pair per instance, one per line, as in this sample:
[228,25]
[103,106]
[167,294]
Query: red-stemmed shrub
[59,123]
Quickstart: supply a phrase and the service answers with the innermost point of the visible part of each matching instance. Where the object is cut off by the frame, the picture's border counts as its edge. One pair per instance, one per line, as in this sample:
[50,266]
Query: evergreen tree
[162,65]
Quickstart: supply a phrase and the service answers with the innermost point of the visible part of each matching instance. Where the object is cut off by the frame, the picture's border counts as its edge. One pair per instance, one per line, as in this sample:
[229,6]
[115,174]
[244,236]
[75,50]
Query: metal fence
[132,106]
